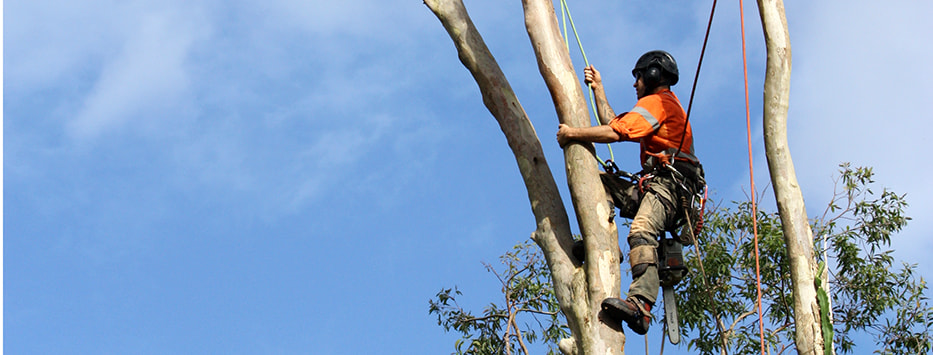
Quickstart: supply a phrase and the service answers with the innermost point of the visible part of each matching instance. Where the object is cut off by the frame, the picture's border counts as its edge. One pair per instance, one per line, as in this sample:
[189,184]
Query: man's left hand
[563,134]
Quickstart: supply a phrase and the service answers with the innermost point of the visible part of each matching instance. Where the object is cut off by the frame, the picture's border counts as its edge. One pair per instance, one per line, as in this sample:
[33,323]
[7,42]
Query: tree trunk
[795,223]
[579,289]
[593,211]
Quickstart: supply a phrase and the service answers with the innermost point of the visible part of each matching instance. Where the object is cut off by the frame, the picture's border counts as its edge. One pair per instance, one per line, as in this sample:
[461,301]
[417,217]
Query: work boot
[633,311]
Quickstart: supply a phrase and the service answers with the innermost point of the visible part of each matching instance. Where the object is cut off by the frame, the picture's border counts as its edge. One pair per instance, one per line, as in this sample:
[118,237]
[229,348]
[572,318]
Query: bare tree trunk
[795,223]
[593,211]
[579,290]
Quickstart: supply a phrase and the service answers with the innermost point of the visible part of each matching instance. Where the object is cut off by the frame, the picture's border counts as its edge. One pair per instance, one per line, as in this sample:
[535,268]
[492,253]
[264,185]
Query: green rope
[565,15]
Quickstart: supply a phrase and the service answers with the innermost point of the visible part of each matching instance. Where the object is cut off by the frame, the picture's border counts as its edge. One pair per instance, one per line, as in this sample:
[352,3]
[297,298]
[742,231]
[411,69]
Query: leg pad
[641,257]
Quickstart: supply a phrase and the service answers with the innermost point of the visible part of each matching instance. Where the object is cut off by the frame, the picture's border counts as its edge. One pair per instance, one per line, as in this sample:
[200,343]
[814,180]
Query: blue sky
[294,177]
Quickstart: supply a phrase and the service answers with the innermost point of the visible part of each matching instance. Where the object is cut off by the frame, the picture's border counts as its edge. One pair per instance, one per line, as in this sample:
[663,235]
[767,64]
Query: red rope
[751,169]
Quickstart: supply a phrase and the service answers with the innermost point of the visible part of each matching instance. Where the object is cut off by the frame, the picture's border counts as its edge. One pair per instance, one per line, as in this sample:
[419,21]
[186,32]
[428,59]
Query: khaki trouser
[649,224]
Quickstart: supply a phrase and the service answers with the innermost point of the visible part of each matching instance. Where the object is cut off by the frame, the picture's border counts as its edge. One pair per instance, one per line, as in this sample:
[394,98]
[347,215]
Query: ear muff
[651,76]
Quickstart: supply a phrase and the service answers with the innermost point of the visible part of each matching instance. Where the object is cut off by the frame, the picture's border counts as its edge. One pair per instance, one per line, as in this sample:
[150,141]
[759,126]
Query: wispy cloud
[279,105]
[145,80]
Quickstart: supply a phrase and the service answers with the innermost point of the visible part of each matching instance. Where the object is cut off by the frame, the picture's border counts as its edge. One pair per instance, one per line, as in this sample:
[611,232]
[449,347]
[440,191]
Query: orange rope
[751,169]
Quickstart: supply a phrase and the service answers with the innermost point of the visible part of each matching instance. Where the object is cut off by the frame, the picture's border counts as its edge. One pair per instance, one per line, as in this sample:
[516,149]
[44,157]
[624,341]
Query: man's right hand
[591,77]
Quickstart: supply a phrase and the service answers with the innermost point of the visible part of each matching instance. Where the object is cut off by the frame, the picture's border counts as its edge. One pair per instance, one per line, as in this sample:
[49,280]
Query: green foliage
[528,297]
[718,308]
[728,292]
[867,296]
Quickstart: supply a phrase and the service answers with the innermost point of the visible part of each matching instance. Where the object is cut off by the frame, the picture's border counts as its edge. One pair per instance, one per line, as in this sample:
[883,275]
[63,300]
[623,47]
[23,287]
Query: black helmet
[656,68]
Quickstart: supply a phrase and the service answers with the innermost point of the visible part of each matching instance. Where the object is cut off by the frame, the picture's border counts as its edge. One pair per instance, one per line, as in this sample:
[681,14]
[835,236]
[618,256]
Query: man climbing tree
[671,173]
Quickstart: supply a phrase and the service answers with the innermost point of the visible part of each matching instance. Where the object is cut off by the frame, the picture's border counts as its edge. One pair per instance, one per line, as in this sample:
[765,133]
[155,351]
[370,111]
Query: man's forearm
[603,110]
[595,134]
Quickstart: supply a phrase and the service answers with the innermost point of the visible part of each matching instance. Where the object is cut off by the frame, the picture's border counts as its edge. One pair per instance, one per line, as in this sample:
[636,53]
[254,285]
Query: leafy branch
[527,294]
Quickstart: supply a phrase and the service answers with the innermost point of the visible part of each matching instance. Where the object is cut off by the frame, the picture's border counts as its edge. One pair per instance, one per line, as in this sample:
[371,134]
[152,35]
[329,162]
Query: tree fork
[579,290]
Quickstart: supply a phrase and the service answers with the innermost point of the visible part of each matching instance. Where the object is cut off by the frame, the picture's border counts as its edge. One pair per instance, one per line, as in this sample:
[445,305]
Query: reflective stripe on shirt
[648,117]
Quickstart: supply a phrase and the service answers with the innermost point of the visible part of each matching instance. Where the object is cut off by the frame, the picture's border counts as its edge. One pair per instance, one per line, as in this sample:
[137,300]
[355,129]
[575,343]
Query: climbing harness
[692,198]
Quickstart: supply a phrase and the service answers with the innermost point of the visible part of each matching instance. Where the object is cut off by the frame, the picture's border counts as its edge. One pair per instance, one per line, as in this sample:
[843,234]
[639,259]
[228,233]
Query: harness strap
[664,157]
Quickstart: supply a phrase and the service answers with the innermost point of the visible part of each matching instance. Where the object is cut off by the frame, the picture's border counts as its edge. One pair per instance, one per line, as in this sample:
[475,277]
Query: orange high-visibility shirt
[657,122]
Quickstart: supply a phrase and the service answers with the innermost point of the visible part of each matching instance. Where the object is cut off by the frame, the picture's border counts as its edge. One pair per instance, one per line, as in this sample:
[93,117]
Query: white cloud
[149,75]
[41,53]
